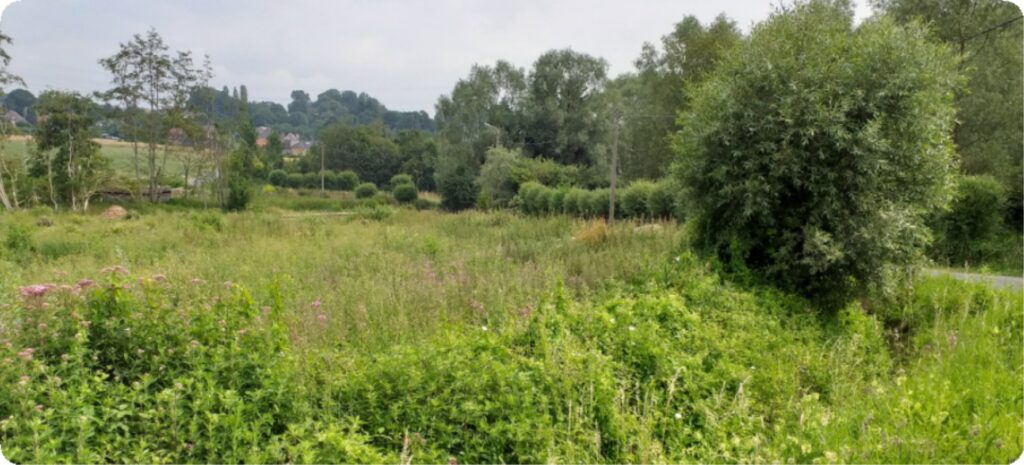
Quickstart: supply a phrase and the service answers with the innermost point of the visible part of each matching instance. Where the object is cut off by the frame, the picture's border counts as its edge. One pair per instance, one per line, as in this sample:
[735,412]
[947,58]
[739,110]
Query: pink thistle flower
[35,290]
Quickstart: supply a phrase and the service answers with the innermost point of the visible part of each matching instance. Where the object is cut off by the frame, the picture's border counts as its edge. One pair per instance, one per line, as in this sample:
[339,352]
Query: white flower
[677,259]
[632,328]
[484,327]
[679,416]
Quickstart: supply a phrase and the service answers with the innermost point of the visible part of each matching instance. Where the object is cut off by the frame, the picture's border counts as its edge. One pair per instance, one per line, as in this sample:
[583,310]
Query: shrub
[497,175]
[556,200]
[969,231]
[573,200]
[330,180]
[814,163]
[634,199]
[294,180]
[529,199]
[311,180]
[399,179]
[405,193]
[278,178]
[597,203]
[661,202]
[239,194]
[18,243]
[424,204]
[347,180]
[365,190]
[458,189]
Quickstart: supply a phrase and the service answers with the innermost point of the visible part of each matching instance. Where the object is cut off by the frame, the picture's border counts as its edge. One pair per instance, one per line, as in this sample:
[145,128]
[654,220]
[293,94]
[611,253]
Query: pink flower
[35,290]
[26,354]
[316,303]
[115,269]
[321,317]
[84,283]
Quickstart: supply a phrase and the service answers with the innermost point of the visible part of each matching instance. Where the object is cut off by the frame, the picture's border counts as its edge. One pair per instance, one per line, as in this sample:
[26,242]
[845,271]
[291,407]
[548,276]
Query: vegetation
[835,204]
[483,362]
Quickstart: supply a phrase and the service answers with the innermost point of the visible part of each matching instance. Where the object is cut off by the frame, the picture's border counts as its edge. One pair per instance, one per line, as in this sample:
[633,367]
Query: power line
[997,26]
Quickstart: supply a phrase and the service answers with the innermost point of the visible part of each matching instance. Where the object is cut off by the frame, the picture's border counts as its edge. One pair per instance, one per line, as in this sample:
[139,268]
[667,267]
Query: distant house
[262,133]
[14,118]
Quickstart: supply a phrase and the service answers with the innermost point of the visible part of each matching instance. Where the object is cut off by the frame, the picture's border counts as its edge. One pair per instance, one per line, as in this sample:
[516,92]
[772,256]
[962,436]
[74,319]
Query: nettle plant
[138,370]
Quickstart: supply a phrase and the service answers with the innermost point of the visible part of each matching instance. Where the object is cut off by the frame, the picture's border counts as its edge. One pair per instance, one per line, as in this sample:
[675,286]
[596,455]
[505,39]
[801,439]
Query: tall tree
[564,118]
[988,35]
[657,92]
[145,74]
[7,166]
[65,150]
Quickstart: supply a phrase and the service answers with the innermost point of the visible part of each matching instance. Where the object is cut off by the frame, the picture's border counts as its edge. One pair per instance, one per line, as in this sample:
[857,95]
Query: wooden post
[323,192]
[614,175]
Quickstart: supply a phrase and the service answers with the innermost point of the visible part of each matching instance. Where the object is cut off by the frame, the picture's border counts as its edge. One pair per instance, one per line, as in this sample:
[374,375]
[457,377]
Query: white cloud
[403,52]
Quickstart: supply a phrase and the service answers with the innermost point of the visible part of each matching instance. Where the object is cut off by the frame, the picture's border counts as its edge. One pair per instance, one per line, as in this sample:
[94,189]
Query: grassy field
[300,333]
[120,153]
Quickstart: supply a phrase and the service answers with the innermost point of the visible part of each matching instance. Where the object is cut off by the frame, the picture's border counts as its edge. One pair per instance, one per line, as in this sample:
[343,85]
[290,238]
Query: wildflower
[83,418]
[140,351]
[677,258]
[35,290]
[197,281]
[65,357]
[115,269]
[321,317]
[316,304]
[24,380]
[26,354]
[484,327]
[679,416]
[178,386]
[242,331]
[84,283]
[42,326]
[45,305]
[632,328]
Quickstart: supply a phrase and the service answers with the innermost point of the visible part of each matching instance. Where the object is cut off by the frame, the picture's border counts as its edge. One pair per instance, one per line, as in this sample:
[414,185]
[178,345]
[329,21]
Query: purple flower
[316,303]
[35,290]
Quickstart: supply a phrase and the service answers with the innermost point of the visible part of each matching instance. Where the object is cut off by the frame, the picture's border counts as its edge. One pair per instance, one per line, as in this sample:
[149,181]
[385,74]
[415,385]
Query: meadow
[120,154]
[304,333]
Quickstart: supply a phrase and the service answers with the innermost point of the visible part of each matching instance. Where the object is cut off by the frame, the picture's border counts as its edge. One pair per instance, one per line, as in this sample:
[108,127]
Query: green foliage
[458,189]
[498,180]
[405,193]
[18,243]
[970,230]
[399,179]
[347,180]
[330,179]
[365,190]
[814,163]
[278,178]
[311,180]
[661,203]
[294,180]
[239,193]
[367,150]
[635,199]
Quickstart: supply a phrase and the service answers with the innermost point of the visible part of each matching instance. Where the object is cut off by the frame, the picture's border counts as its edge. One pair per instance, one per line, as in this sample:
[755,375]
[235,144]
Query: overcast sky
[405,53]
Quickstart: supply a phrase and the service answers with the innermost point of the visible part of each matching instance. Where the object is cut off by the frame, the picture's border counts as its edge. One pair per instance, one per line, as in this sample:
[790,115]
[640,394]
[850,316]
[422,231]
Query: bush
[661,202]
[294,180]
[347,180]
[405,193]
[239,194]
[399,179]
[814,163]
[278,178]
[311,180]
[458,189]
[969,231]
[365,190]
[424,204]
[573,200]
[529,199]
[635,198]
[497,175]
[204,379]
[18,243]
[330,180]
[556,200]
[597,203]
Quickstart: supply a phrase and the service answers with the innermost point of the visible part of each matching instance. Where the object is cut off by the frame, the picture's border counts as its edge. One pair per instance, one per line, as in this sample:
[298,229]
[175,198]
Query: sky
[405,53]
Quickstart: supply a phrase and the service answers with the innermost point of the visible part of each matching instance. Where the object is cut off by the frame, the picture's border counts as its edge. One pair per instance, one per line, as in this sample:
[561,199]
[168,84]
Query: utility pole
[323,192]
[614,174]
